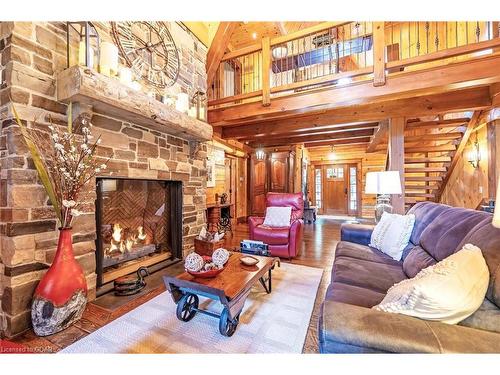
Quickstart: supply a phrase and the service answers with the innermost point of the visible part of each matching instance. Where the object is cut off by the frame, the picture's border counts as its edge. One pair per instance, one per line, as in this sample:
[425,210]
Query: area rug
[269,323]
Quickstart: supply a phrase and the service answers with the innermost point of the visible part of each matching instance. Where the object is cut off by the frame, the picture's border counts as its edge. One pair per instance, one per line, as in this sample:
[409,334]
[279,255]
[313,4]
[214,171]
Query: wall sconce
[474,155]
[260,154]
[88,44]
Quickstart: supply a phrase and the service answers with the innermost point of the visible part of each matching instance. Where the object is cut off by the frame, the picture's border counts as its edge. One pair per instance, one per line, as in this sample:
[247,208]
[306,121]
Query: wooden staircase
[431,150]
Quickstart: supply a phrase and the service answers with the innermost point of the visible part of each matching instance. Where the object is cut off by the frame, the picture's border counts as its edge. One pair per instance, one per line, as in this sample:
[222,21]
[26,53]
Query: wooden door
[335,183]
[257,188]
[279,172]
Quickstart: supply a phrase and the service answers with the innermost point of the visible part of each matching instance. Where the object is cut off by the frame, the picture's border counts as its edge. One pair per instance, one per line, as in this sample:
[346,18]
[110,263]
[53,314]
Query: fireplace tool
[131,284]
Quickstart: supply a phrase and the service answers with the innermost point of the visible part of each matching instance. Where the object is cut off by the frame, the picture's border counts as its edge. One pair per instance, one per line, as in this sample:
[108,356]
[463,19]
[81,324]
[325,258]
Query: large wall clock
[149,50]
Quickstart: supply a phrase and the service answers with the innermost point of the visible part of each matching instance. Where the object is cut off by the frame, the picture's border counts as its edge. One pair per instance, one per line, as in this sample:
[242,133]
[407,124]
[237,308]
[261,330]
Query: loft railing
[340,53]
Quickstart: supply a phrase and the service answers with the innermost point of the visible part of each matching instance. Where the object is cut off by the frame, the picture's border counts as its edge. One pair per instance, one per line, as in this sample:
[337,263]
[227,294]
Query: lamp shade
[496,215]
[386,182]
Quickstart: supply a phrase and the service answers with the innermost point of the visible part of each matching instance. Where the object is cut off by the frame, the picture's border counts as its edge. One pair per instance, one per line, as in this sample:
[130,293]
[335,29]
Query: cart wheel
[186,307]
[226,325]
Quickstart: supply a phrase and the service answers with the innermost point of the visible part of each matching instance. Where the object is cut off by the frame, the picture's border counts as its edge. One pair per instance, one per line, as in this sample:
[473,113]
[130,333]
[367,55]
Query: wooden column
[266,66]
[378,54]
[493,139]
[396,152]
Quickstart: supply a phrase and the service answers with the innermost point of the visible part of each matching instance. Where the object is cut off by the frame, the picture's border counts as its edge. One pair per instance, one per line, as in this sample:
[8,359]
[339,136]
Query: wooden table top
[236,277]
[219,205]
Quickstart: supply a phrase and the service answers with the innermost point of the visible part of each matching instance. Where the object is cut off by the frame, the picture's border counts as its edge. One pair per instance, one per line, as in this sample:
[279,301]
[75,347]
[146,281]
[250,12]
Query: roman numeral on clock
[138,65]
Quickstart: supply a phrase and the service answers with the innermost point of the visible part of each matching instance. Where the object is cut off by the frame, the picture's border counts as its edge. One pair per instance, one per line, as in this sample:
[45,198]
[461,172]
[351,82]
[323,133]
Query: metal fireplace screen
[133,219]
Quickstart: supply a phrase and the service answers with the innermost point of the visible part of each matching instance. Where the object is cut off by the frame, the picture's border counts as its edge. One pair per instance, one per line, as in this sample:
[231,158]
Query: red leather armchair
[283,242]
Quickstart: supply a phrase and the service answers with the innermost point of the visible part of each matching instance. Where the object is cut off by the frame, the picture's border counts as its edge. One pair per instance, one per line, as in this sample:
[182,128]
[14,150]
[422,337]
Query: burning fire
[122,243]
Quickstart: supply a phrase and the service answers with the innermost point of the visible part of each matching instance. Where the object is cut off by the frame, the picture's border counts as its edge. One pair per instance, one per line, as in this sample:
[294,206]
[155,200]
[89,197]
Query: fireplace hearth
[139,224]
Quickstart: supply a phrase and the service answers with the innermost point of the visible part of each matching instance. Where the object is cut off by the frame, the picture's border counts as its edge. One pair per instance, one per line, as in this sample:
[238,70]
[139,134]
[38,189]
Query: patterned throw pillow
[392,234]
[448,291]
[278,216]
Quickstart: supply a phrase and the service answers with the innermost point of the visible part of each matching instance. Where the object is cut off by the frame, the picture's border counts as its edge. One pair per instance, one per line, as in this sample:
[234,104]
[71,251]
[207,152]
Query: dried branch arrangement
[65,161]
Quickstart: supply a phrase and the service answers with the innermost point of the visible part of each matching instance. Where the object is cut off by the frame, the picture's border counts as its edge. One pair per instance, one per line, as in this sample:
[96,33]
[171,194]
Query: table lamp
[496,216]
[384,184]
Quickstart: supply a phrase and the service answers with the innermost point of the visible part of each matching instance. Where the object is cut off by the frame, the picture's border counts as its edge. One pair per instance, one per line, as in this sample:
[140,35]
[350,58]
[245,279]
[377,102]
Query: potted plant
[64,158]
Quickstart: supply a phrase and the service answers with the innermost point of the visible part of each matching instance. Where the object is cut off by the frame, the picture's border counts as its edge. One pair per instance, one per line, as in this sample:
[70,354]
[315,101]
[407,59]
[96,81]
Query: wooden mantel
[110,97]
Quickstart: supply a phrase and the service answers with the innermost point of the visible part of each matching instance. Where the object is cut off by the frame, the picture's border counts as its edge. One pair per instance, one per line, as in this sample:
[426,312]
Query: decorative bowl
[206,274]
[248,260]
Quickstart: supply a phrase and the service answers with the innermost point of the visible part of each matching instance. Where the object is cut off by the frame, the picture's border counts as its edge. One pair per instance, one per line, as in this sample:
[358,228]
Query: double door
[272,174]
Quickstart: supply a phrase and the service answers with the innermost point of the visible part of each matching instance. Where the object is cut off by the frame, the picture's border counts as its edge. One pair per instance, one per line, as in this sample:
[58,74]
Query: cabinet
[273,174]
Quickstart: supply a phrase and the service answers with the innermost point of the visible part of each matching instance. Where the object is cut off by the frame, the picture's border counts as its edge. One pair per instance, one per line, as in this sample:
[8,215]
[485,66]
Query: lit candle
[125,75]
[168,100]
[192,112]
[202,113]
[82,53]
[136,86]
[108,65]
[182,102]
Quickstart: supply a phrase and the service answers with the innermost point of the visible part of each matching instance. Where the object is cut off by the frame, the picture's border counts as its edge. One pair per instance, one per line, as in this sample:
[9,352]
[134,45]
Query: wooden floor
[317,250]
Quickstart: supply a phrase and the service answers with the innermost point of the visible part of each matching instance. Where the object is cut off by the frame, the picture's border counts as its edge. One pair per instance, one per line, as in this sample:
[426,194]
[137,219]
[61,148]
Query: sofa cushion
[271,235]
[356,251]
[372,275]
[277,216]
[487,318]
[392,234]
[449,291]
[425,213]
[353,295]
[417,260]
[443,236]
[487,238]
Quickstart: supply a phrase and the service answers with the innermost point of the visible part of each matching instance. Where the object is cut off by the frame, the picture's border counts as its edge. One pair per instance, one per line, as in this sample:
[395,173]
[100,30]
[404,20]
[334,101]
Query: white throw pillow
[448,291]
[392,234]
[278,216]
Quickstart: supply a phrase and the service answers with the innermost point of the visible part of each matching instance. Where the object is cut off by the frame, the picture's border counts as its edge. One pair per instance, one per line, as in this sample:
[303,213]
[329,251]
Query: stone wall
[31,56]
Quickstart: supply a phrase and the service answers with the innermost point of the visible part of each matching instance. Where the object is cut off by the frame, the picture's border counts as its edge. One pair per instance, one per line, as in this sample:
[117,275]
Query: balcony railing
[342,53]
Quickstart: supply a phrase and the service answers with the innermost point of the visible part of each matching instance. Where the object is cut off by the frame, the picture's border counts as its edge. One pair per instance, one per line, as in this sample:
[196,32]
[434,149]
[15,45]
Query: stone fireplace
[138,224]
[143,140]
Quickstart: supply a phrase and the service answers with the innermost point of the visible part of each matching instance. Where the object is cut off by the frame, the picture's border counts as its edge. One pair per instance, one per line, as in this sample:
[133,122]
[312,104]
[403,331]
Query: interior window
[317,187]
[353,201]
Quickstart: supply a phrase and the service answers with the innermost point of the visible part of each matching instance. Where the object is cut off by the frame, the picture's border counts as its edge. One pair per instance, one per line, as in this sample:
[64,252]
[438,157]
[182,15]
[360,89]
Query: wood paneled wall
[468,186]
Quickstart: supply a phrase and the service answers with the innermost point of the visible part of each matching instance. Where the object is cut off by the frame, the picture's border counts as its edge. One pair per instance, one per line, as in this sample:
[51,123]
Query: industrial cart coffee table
[231,288]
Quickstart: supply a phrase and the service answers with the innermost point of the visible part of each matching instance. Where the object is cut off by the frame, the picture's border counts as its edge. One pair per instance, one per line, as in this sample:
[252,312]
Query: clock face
[149,50]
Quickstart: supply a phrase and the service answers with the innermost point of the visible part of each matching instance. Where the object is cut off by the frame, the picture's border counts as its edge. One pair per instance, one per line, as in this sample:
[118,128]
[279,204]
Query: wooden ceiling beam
[293,125]
[348,135]
[323,131]
[461,100]
[461,75]
[218,47]
[350,142]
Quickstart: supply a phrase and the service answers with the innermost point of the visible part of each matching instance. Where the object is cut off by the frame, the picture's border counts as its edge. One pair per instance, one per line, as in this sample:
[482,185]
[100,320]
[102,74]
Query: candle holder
[88,43]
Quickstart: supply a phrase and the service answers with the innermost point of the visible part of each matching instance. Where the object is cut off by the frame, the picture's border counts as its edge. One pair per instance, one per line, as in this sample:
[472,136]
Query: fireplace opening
[139,224]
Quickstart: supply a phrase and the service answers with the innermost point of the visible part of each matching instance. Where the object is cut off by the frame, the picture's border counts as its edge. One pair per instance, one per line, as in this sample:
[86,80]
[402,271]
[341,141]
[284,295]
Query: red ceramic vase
[61,295]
